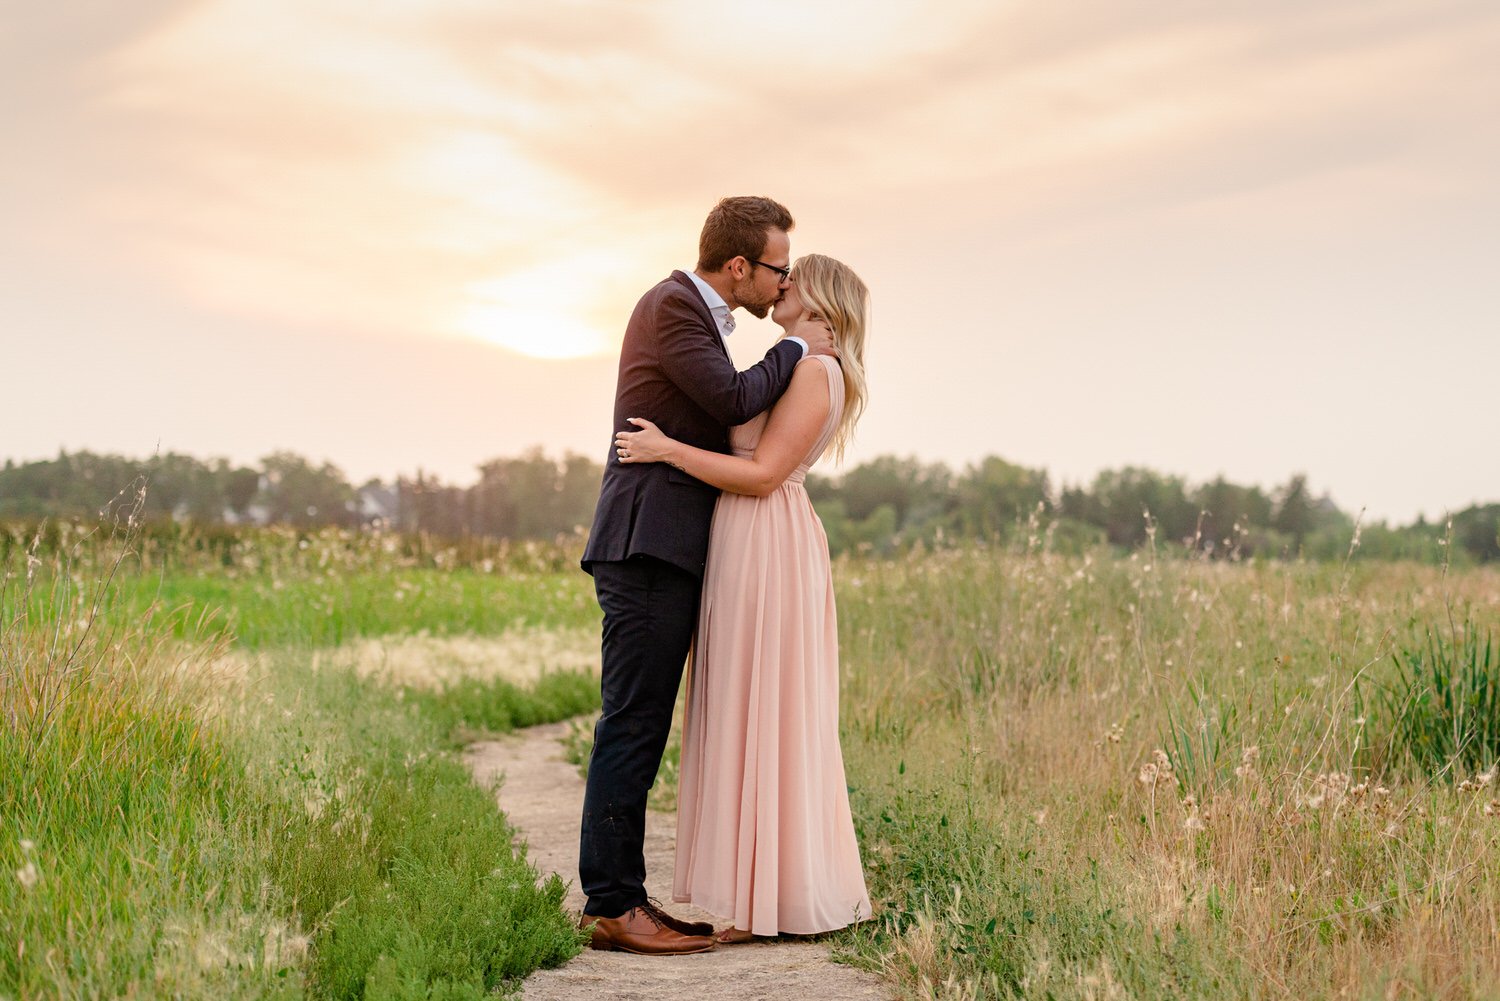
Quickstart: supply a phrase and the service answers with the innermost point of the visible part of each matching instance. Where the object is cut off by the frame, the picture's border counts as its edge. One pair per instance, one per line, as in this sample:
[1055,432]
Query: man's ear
[737,268]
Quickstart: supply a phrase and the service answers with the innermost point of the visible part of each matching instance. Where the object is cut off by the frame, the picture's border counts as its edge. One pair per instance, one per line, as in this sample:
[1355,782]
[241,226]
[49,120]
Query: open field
[1098,776]
[1152,777]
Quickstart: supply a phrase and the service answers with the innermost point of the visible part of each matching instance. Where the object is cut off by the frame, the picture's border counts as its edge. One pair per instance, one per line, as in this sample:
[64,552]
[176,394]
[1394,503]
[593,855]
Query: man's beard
[743,294]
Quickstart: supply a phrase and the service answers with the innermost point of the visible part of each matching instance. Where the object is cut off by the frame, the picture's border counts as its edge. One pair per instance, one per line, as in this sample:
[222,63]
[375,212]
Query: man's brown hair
[738,227]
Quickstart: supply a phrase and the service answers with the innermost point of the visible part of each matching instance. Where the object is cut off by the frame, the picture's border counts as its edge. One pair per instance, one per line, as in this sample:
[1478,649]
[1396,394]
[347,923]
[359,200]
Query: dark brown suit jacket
[675,371]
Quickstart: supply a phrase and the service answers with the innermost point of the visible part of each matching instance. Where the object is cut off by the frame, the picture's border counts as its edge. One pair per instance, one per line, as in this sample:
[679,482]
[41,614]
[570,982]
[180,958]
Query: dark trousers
[650,608]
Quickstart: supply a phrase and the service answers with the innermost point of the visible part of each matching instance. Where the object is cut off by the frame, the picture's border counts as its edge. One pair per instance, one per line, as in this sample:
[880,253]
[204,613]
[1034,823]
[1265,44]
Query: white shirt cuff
[800,343]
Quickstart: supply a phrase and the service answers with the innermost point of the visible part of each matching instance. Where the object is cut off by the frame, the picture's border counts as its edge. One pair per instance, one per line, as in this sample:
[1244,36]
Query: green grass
[267,588]
[461,602]
[262,612]
[1072,777]
[1440,711]
[472,708]
[393,854]
[170,828]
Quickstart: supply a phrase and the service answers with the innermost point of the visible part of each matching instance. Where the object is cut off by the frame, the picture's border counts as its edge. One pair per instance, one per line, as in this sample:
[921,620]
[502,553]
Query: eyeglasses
[785,273]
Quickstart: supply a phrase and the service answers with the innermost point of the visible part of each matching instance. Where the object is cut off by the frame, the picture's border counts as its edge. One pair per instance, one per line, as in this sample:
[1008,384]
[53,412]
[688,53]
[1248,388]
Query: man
[649,541]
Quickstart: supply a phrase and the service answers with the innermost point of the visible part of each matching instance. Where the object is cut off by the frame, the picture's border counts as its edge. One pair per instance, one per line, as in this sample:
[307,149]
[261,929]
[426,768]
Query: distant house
[255,514]
[376,502]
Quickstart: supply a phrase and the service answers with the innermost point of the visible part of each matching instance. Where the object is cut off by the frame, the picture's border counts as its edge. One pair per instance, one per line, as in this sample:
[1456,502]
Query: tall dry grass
[1159,776]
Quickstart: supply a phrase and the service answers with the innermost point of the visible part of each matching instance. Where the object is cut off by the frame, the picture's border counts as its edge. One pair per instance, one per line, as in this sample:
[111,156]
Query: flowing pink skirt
[764,833]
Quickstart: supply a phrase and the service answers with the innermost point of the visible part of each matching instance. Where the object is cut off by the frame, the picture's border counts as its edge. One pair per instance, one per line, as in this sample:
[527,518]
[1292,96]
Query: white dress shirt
[723,315]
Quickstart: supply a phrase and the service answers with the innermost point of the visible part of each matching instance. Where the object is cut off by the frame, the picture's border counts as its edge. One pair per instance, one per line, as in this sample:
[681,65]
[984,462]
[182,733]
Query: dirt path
[542,794]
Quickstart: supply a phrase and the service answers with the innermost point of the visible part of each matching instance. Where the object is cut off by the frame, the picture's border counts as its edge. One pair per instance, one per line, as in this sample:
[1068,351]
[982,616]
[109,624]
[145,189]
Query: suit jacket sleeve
[697,364]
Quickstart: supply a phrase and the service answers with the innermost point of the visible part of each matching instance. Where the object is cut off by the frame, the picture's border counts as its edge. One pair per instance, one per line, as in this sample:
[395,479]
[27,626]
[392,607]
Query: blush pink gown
[764,833]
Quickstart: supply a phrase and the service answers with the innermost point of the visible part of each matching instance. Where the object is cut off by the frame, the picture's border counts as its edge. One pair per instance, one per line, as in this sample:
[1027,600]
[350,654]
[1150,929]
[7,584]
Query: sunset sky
[1248,238]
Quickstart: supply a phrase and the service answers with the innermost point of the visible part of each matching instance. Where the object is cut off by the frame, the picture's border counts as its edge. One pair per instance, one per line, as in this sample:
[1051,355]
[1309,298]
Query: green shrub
[1441,711]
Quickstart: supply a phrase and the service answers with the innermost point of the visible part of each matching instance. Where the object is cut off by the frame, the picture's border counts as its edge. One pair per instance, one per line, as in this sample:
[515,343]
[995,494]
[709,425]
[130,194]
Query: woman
[764,832]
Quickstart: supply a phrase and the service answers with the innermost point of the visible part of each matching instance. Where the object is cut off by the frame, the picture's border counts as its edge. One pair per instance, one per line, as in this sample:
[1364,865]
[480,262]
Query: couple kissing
[704,539]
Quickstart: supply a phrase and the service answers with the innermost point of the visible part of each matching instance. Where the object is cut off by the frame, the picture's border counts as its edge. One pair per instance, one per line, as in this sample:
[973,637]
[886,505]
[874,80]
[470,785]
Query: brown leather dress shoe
[678,925]
[639,931]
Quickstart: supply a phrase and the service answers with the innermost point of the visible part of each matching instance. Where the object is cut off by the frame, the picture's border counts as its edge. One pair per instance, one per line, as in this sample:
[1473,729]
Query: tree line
[883,505]
[892,502]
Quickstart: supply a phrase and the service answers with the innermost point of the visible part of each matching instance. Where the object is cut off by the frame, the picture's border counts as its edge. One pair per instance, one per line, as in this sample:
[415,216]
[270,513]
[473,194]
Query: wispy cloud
[1050,181]
[293,161]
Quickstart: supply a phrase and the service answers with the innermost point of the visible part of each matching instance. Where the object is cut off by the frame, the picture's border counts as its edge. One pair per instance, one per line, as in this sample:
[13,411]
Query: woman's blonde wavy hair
[831,290]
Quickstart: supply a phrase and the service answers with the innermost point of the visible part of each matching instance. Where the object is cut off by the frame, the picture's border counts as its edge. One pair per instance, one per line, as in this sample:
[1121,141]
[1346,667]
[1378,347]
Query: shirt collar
[715,302]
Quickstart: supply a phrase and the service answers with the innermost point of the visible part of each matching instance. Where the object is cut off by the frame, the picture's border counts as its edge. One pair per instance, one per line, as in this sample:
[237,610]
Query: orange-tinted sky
[1249,238]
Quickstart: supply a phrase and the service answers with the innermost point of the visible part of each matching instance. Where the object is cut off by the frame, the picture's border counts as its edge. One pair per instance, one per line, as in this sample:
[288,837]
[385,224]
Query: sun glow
[535,333]
[529,314]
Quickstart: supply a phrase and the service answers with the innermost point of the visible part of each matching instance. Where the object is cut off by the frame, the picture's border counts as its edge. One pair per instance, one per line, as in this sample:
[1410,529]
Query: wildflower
[1246,767]
[1157,771]
[27,875]
[1492,808]
[1329,787]
[1193,822]
[28,846]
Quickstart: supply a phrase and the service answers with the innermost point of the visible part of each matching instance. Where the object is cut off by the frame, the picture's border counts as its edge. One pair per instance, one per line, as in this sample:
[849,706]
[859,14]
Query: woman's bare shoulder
[810,366]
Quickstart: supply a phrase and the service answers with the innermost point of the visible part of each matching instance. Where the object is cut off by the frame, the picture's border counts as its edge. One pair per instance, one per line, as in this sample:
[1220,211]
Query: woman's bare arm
[790,432]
